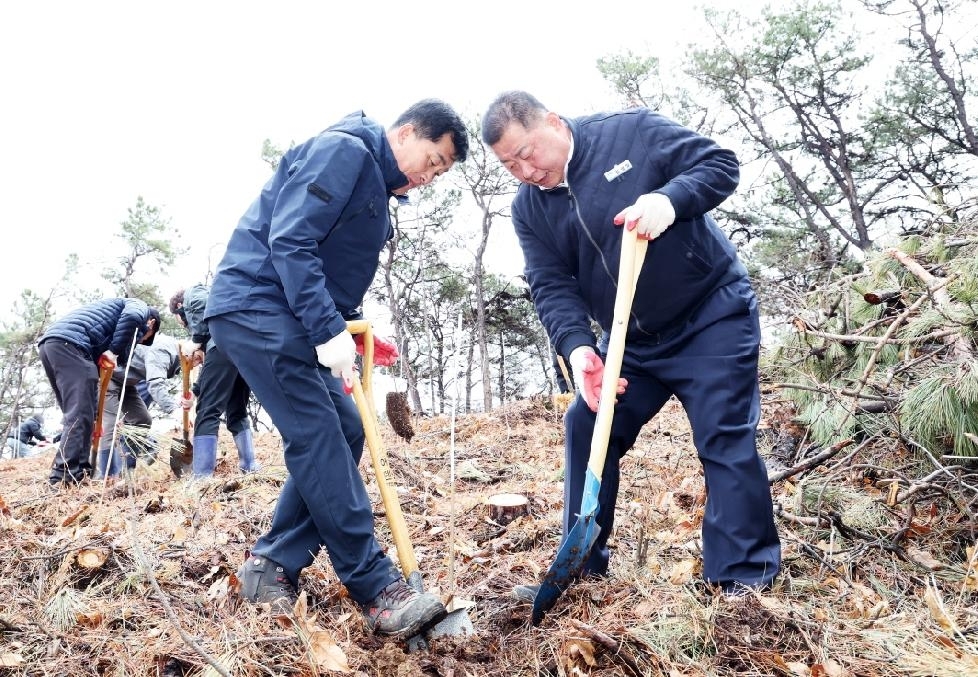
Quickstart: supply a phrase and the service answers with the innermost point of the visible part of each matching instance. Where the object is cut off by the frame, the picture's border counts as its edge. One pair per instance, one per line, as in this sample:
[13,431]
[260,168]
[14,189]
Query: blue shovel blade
[573,552]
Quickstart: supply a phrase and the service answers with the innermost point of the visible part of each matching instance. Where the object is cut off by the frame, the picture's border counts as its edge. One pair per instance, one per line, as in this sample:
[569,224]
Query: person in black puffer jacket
[100,334]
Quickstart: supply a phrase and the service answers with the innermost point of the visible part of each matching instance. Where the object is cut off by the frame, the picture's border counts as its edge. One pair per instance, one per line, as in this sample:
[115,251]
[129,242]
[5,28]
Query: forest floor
[136,578]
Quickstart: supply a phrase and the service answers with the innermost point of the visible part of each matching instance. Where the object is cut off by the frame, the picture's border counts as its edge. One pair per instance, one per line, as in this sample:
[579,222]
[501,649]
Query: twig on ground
[608,642]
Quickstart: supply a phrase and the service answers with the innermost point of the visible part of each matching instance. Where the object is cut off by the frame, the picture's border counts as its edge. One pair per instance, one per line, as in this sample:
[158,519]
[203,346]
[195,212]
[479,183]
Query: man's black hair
[432,119]
[154,314]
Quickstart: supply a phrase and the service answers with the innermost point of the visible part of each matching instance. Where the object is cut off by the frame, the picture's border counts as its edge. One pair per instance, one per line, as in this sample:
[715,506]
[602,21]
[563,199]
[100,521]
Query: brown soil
[134,578]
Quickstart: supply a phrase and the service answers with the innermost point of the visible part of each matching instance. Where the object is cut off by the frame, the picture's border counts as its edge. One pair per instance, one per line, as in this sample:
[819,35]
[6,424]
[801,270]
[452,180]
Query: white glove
[337,356]
[188,348]
[651,214]
[108,360]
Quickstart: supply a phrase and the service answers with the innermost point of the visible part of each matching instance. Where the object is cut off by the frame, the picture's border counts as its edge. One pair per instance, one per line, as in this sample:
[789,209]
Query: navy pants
[710,365]
[222,391]
[324,502]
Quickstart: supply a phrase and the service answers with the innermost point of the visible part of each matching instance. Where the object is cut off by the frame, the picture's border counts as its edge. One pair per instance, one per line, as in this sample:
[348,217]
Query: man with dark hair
[693,331]
[220,389]
[296,269]
[100,334]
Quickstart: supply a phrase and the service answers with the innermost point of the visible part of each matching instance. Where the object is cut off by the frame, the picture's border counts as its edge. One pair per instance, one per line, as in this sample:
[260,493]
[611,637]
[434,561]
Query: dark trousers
[73,376]
[710,365]
[134,412]
[324,502]
[222,391]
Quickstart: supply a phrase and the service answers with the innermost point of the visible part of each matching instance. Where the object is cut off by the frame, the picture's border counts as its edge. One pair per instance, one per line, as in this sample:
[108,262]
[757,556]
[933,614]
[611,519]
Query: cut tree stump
[504,508]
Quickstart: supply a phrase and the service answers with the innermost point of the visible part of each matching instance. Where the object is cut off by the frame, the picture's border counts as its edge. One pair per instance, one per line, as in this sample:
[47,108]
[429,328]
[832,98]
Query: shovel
[104,376]
[576,548]
[456,622]
[182,455]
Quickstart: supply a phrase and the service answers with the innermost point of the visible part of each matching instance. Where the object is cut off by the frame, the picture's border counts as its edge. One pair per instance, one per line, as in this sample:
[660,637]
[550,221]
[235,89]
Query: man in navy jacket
[100,334]
[694,330]
[296,269]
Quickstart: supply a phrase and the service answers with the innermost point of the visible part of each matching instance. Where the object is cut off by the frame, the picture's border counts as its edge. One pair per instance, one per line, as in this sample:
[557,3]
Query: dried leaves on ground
[136,578]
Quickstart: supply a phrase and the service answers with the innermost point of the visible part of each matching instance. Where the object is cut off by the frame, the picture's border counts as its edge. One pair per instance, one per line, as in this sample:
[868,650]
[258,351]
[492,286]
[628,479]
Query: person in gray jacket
[155,365]
[693,332]
[221,389]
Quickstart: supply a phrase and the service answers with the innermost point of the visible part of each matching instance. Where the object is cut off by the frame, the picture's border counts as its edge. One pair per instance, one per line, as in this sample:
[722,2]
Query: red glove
[385,352]
[107,360]
[186,401]
[588,374]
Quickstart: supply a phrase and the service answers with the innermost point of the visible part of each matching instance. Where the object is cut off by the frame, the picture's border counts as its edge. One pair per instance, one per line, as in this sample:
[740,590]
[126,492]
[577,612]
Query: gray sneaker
[526,593]
[262,581]
[400,611]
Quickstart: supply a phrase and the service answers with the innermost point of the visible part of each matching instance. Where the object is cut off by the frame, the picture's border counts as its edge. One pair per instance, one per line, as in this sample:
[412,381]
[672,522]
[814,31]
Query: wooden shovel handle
[104,377]
[633,251]
[363,396]
[186,364]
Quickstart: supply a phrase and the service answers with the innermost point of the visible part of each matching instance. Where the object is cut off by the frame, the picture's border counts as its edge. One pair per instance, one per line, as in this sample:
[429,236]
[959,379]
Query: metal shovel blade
[573,552]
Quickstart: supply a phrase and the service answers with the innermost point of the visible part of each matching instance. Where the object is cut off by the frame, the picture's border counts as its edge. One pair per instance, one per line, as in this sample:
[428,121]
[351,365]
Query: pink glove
[588,373]
[107,360]
[186,401]
[385,352]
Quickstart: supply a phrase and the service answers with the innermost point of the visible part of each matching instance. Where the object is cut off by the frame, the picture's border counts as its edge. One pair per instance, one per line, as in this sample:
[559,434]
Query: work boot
[400,611]
[262,581]
[526,593]
[205,455]
[246,451]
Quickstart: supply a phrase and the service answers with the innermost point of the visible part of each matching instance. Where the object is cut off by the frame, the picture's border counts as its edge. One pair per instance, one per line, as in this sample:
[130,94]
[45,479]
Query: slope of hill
[134,578]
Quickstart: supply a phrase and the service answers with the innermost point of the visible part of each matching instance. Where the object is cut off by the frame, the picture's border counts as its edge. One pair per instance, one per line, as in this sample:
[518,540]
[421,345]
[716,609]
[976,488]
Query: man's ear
[404,131]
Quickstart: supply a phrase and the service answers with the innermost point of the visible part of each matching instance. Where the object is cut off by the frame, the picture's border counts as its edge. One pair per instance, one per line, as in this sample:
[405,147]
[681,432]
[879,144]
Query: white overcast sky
[104,101]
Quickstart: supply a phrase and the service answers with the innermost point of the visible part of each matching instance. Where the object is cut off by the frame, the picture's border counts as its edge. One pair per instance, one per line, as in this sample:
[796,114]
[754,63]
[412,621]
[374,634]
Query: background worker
[97,335]
[220,389]
[693,331]
[154,365]
[23,439]
[295,270]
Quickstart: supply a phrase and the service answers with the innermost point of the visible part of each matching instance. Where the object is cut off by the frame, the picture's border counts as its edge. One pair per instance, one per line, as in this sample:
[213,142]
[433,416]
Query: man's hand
[651,214]
[192,350]
[337,356]
[588,372]
[186,401]
[385,352]
[107,360]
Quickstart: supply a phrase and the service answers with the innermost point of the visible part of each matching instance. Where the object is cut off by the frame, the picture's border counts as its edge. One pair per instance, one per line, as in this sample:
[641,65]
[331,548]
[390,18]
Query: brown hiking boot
[262,581]
[401,611]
